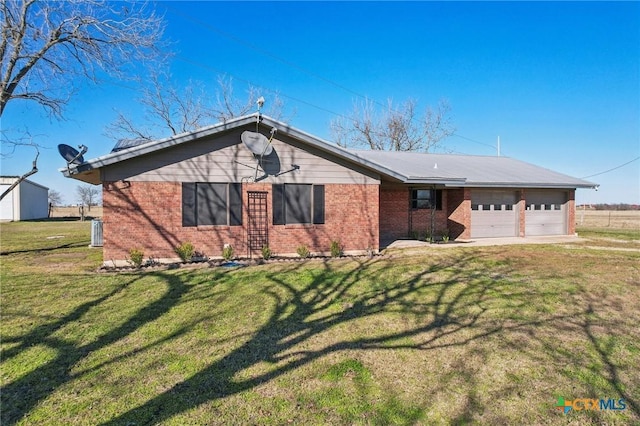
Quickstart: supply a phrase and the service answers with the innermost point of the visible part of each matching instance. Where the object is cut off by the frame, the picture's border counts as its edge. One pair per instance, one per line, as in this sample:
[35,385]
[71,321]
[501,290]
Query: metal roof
[414,168]
[477,171]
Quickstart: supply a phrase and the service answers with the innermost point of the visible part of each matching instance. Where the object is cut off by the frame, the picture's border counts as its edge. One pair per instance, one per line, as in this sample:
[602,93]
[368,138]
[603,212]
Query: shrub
[445,235]
[336,250]
[303,251]
[136,257]
[266,252]
[185,251]
[227,252]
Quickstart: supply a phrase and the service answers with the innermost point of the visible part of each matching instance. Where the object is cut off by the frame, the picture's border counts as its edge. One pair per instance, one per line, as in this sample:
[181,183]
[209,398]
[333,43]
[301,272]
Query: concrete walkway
[553,239]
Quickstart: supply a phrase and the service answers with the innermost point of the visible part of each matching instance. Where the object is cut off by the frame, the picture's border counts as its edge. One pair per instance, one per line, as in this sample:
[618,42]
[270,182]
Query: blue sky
[558,82]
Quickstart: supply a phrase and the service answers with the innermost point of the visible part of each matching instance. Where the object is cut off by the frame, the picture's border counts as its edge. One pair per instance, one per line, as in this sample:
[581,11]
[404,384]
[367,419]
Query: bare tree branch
[396,128]
[184,109]
[44,43]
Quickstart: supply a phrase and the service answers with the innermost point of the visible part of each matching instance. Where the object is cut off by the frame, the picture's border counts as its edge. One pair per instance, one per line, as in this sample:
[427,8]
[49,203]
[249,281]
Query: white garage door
[546,213]
[493,214]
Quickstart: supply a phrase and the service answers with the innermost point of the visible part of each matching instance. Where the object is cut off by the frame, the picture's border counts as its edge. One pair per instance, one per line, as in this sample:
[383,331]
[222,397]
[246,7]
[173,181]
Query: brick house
[212,187]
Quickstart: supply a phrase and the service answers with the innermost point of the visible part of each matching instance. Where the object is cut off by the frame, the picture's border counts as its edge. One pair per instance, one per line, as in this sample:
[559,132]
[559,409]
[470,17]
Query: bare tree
[45,43]
[396,128]
[229,106]
[176,110]
[55,198]
[88,195]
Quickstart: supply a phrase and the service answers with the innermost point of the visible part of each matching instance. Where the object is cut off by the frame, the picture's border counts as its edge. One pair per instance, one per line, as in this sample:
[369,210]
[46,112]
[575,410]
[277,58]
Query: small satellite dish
[72,155]
[256,143]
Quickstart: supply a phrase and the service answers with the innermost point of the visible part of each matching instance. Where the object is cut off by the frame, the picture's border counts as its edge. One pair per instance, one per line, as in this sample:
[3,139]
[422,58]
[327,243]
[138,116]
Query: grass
[486,335]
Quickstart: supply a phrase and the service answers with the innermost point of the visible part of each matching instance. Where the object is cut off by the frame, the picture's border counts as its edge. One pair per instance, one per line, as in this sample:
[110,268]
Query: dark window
[211,204]
[426,198]
[298,204]
[508,206]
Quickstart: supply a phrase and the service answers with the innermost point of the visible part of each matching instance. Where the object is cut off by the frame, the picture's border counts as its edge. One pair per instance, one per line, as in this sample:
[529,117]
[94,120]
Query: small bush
[445,235]
[136,257]
[303,251]
[266,252]
[336,250]
[185,251]
[227,252]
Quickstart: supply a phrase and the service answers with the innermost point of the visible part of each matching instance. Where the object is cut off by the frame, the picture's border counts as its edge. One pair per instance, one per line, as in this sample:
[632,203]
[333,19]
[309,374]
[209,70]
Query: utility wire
[275,92]
[610,170]
[291,64]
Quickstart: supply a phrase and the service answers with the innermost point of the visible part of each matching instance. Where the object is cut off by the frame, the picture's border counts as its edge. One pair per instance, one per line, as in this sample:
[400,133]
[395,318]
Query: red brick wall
[459,212]
[571,217]
[394,213]
[148,216]
[398,220]
[522,211]
[421,221]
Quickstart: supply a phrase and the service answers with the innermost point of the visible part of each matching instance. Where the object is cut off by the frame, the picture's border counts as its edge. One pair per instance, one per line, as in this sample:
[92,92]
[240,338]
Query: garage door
[493,214]
[546,213]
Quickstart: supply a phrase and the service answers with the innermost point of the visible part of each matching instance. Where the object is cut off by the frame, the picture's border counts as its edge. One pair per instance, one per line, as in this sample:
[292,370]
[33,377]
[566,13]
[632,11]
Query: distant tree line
[618,206]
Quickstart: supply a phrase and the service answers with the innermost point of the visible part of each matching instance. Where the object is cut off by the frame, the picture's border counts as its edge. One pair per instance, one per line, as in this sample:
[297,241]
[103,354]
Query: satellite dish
[256,143]
[72,155]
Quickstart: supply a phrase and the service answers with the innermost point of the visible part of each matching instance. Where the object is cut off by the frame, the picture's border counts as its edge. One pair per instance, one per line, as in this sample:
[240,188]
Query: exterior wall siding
[148,216]
[225,159]
[27,201]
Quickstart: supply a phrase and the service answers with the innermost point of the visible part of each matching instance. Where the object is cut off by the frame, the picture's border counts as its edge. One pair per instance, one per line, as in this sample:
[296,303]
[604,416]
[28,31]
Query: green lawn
[487,335]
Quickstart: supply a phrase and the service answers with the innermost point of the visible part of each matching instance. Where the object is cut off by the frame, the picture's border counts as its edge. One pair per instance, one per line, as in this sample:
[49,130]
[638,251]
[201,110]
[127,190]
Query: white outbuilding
[28,200]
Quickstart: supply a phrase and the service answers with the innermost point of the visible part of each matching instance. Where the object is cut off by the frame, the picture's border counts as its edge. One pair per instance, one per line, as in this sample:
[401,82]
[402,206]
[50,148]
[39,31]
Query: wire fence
[608,219]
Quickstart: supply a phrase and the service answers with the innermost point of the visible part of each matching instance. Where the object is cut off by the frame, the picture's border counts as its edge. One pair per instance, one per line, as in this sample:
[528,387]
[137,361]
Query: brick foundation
[148,216]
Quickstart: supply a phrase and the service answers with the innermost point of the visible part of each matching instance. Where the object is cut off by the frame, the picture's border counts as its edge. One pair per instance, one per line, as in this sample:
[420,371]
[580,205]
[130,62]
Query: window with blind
[211,204]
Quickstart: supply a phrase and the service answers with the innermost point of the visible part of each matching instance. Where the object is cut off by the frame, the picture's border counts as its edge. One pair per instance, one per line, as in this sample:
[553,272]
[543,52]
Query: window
[211,204]
[425,198]
[298,204]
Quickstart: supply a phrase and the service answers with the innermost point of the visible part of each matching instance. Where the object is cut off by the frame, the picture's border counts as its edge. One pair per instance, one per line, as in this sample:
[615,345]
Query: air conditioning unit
[96,233]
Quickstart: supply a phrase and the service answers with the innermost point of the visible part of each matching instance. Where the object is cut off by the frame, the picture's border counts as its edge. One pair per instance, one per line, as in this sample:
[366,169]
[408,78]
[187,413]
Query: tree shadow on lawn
[21,396]
[452,299]
[76,244]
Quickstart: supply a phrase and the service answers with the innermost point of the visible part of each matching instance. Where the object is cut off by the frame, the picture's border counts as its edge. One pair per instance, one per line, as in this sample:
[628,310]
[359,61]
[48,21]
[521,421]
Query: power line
[291,64]
[610,170]
[275,92]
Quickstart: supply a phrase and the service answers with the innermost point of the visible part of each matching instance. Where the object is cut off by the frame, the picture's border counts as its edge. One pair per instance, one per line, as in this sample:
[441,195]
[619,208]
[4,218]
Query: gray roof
[483,171]
[413,168]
